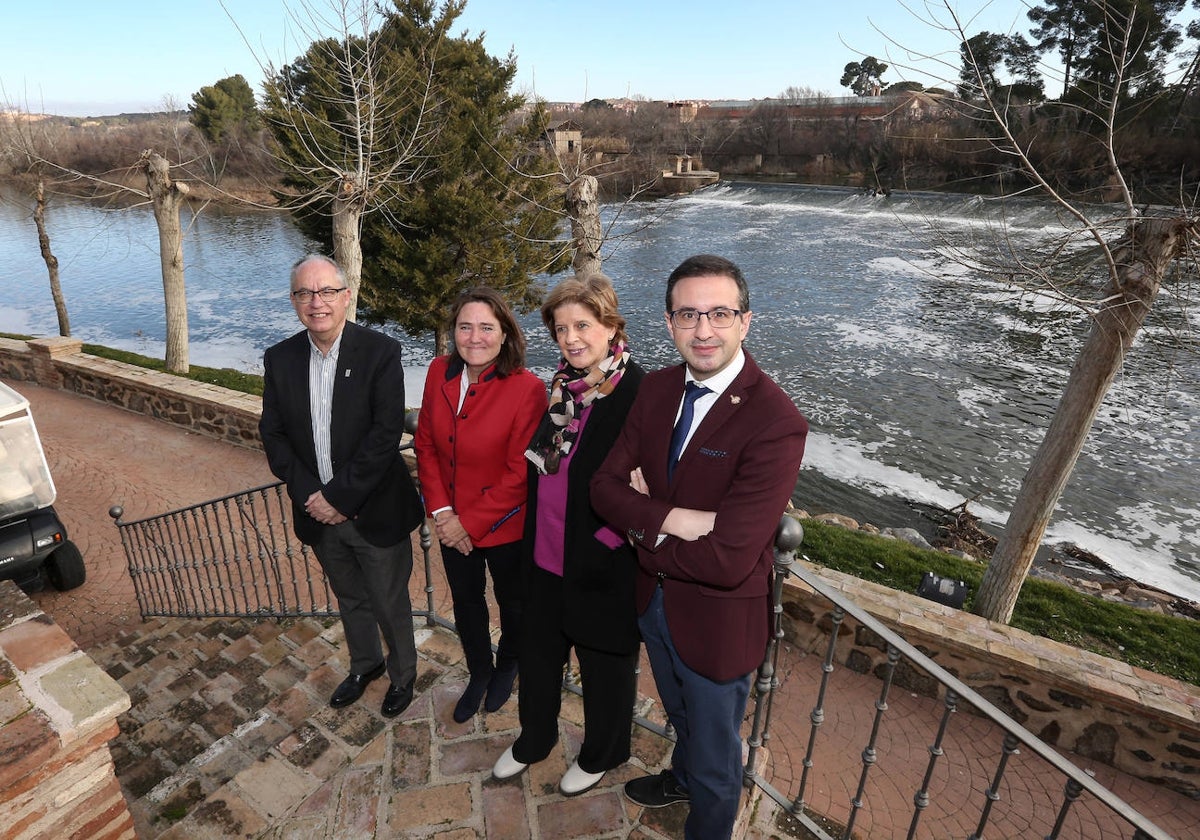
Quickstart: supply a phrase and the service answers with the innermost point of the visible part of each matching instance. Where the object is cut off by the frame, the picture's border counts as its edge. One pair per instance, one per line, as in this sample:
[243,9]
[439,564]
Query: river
[924,382]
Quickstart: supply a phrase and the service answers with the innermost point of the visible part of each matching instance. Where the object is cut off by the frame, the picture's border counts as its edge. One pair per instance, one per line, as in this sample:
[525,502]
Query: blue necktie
[693,392]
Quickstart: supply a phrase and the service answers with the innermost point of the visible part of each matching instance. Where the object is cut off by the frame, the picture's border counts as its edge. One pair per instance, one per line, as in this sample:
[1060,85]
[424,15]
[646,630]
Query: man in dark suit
[333,414]
[703,469]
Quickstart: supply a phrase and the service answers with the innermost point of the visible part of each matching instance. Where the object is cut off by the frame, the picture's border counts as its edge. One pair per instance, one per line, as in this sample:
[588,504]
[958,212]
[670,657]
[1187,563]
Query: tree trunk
[167,196]
[39,219]
[583,206]
[1141,262]
[347,241]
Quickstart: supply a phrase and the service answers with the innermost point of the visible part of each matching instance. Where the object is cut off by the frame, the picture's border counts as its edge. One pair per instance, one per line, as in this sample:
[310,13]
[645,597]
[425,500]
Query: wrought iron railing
[237,557]
[1109,816]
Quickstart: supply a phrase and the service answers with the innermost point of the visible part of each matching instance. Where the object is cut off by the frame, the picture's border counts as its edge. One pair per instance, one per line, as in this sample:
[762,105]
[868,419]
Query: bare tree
[39,219]
[353,116]
[1133,252]
[166,196]
[21,137]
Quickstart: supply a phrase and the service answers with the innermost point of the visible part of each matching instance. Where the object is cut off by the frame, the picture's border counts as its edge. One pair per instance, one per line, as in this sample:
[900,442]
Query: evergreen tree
[864,77]
[981,56]
[216,109]
[485,214]
[398,136]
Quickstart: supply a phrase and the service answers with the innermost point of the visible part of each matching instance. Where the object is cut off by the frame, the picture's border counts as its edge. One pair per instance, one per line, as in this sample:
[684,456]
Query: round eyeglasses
[720,318]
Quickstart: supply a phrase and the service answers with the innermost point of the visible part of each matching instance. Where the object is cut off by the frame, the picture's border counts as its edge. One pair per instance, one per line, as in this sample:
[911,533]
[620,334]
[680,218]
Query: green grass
[235,380]
[1167,645]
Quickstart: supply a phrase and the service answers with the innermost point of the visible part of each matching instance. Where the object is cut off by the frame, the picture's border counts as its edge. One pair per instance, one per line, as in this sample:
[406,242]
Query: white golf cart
[31,535]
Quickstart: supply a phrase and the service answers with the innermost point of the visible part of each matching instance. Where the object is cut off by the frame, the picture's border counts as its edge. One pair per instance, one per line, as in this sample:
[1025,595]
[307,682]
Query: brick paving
[229,734]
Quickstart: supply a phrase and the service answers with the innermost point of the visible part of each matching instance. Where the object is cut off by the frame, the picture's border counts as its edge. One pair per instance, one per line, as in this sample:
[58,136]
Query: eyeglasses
[327,294]
[720,318]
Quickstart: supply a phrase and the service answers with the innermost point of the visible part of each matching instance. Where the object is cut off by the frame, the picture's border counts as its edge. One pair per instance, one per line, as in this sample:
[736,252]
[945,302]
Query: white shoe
[506,766]
[576,780]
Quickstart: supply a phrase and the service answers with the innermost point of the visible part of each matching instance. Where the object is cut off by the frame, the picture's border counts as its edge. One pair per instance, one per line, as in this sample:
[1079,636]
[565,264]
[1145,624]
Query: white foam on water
[1146,551]
[847,462]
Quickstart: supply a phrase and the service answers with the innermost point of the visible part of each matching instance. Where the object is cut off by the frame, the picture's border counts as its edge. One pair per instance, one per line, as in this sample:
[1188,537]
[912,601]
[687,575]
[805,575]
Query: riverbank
[958,533]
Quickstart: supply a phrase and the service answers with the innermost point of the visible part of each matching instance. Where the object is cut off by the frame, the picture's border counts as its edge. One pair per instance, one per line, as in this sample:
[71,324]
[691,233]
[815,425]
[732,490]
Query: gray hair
[307,258]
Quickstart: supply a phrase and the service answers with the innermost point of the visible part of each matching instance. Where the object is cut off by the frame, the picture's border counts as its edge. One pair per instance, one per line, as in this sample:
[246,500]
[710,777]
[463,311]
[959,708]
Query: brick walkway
[276,762]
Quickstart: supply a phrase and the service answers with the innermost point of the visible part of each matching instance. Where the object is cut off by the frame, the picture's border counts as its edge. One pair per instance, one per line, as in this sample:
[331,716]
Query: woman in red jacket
[479,409]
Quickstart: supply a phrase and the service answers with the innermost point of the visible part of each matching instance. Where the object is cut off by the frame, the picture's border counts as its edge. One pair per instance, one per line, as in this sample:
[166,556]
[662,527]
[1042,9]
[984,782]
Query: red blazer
[742,462]
[474,460]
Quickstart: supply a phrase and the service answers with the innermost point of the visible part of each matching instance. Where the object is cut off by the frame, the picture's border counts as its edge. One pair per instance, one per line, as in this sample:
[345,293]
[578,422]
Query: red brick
[36,642]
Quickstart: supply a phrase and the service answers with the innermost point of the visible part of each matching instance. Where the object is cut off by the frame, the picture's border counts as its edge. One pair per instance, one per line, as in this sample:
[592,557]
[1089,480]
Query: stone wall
[1132,719]
[208,409]
[58,710]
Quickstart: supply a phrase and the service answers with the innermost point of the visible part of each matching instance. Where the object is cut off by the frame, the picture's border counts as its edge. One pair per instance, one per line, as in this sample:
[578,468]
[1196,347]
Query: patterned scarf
[571,391]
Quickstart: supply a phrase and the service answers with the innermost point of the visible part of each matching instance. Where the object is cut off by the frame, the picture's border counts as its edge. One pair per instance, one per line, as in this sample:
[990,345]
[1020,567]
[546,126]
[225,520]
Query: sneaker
[577,780]
[655,791]
[506,766]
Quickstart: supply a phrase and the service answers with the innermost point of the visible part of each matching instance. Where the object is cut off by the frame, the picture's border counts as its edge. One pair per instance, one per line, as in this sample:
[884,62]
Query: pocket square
[713,453]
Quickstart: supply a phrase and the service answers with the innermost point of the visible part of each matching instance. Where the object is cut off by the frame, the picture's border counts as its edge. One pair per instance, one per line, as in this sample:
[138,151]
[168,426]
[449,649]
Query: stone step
[230,734]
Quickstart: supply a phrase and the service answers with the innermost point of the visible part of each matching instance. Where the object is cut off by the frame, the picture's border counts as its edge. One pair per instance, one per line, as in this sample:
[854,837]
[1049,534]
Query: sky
[88,58]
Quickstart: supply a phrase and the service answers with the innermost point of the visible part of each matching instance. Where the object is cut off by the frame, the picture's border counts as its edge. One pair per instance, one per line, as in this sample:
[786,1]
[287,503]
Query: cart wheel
[65,567]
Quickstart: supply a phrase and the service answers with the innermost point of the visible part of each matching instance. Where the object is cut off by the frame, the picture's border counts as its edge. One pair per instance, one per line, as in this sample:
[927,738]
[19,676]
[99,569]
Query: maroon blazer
[474,460]
[741,462]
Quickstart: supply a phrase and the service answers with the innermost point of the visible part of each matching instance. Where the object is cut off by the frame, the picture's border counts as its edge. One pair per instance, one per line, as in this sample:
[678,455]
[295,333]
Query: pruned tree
[1132,254]
[167,196]
[354,116]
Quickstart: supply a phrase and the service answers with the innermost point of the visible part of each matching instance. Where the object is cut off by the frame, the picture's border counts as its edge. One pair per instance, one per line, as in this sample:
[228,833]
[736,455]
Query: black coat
[371,483]
[598,581]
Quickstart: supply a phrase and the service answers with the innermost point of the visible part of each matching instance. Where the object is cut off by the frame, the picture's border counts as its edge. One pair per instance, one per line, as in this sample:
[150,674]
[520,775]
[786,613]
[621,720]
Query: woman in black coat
[580,571]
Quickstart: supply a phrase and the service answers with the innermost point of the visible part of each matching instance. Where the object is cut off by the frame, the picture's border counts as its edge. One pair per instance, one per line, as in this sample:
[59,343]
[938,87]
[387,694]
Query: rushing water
[923,381]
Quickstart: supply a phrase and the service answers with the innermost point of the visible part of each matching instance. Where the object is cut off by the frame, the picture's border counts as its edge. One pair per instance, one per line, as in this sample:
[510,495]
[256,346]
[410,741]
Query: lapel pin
[346,375]
[735,400]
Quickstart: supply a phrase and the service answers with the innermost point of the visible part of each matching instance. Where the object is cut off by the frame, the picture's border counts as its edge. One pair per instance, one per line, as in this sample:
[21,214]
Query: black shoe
[353,686]
[655,791]
[468,704]
[500,686]
[397,699]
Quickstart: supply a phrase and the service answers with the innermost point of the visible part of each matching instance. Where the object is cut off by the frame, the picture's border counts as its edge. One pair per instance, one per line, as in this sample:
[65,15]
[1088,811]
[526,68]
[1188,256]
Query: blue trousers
[707,716]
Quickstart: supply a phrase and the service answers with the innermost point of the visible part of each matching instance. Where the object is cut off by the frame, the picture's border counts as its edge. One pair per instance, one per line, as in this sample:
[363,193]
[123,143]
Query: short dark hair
[512,351]
[596,292]
[710,265]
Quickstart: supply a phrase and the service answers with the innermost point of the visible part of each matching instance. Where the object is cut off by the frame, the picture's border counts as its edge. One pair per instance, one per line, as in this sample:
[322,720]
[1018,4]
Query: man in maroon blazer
[698,479]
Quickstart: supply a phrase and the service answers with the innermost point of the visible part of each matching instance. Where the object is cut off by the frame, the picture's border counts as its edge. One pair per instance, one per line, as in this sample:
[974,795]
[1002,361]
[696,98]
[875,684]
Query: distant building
[564,139]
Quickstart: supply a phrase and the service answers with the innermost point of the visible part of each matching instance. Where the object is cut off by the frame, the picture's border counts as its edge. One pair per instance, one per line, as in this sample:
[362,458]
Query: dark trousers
[371,585]
[609,685]
[468,586]
[707,716]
